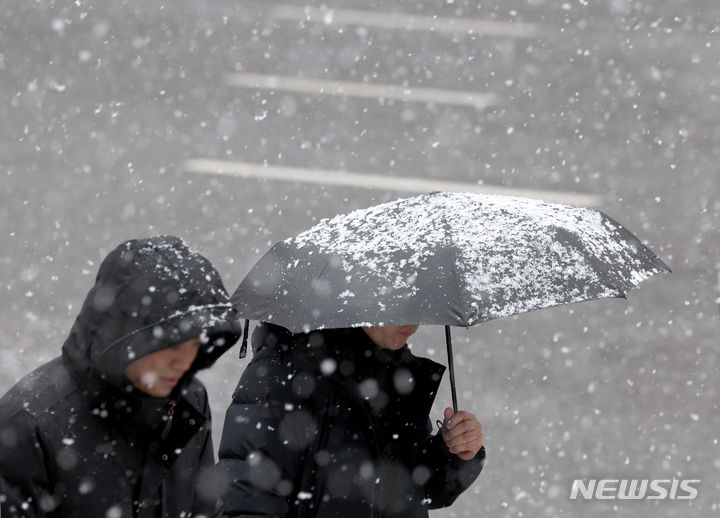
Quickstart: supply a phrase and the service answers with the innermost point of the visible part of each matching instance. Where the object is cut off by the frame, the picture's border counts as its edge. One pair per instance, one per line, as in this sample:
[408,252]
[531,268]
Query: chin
[158,393]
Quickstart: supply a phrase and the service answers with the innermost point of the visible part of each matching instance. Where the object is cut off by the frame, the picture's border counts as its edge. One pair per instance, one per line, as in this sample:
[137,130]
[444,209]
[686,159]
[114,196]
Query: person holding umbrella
[336,423]
[343,287]
[118,425]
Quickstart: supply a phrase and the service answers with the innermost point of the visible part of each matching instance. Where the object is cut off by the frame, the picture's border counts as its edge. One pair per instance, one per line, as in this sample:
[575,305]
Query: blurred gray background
[102,104]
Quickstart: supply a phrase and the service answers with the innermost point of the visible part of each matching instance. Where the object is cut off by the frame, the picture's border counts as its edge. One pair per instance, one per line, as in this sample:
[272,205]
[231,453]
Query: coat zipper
[169,421]
[372,443]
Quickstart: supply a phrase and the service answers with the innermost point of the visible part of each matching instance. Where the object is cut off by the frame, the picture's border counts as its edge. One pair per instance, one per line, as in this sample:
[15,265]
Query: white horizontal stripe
[387,20]
[323,87]
[376,181]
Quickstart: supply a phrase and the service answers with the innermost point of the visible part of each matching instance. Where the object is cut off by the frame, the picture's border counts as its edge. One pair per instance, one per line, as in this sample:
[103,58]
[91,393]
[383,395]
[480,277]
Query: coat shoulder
[427,364]
[428,369]
[270,374]
[43,392]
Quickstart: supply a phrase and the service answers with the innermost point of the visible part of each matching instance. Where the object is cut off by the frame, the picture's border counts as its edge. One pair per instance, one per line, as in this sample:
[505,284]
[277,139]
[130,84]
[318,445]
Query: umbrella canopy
[443,258]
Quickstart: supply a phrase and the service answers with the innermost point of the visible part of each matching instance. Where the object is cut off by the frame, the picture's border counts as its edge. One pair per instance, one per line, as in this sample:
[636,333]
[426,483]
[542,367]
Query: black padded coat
[327,424]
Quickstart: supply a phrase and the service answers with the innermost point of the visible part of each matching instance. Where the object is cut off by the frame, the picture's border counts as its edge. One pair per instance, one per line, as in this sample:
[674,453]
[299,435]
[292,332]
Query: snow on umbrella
[443,258]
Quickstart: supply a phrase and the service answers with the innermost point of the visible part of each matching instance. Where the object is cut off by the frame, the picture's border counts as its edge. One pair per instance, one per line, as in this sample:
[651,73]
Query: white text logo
[633,489]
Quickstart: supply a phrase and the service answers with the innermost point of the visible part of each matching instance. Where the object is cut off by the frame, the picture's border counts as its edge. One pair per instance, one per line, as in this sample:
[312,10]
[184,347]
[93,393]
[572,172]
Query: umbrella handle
[451,367]
[243,347]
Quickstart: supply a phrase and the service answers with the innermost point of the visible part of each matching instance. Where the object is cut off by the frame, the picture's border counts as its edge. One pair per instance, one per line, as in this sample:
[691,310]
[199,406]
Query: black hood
[150,294]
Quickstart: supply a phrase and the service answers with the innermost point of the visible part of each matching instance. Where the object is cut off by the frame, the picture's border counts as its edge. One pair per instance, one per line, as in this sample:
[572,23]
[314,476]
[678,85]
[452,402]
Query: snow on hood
[150,294]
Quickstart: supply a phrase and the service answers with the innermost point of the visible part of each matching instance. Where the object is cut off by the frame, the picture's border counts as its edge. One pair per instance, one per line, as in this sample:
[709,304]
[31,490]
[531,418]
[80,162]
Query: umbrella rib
[307,292]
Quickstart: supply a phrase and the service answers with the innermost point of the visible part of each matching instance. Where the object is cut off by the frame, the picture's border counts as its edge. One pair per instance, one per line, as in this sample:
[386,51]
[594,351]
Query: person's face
[157,374]
[390,337]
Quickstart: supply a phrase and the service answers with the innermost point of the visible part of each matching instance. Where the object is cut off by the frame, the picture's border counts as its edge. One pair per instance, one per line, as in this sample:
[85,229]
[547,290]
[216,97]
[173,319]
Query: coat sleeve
[263,440]
[207,497]
[449,475]
[25,468]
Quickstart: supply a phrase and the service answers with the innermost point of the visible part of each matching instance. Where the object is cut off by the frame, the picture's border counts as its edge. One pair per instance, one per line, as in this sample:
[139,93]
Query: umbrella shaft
[451,367]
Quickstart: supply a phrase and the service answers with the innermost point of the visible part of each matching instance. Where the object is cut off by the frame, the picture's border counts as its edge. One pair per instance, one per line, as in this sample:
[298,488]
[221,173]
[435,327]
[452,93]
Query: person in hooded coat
[335,423]
[118,426]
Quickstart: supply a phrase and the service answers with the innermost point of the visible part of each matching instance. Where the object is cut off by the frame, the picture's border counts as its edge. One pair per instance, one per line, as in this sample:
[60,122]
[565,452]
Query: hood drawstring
[168,422]
[243,346]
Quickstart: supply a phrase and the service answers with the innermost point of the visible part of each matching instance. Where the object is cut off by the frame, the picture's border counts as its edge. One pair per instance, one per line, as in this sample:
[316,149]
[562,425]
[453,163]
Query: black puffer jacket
[78,440]
[329,425]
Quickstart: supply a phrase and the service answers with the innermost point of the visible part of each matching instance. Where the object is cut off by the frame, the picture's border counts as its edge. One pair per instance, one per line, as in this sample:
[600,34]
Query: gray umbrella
[443,258]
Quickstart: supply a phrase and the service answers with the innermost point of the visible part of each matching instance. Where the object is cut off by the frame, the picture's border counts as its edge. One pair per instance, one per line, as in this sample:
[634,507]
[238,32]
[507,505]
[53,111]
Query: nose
[184,356]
